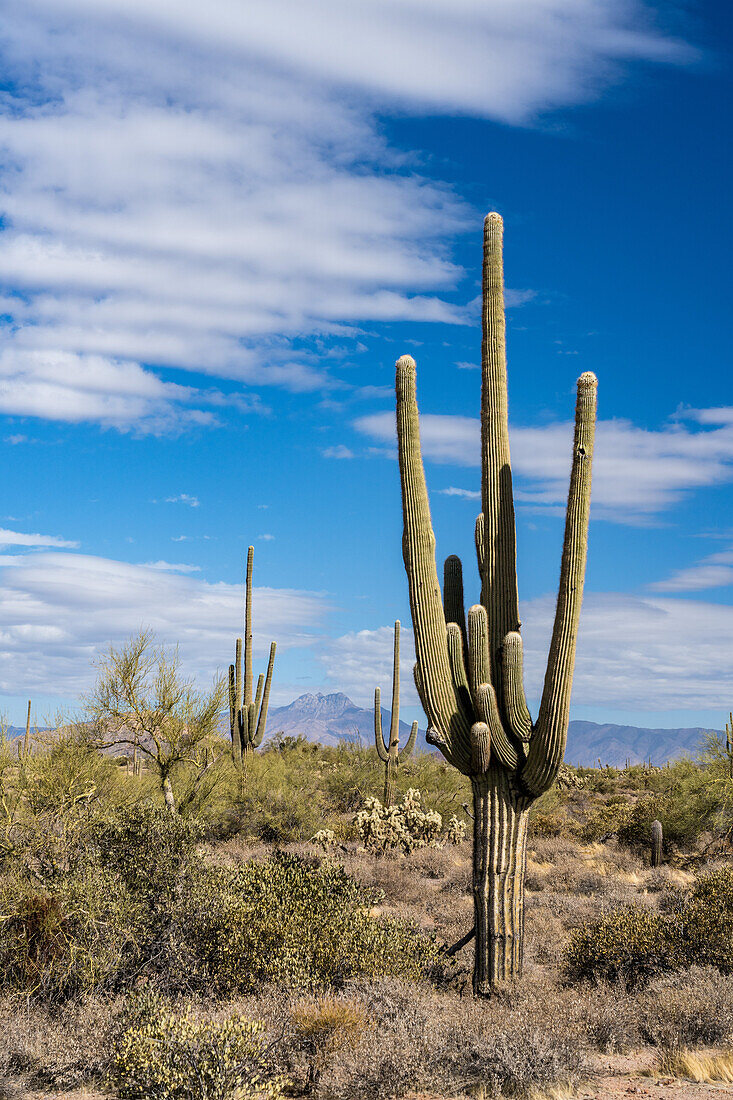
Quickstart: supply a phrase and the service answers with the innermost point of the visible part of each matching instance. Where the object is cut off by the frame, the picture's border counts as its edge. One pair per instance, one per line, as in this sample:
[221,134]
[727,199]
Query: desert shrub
[631,945]
[687,1009]
[162,1055]
[606,819]
[706,917]
[405,826]
[634,944]
[290,922]
[79,936]
[148,847]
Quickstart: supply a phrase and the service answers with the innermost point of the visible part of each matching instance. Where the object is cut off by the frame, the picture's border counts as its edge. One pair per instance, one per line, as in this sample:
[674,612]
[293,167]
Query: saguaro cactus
[27,738]
[389,751]
[469,676]
[729,744]
[657,839]
[248,715]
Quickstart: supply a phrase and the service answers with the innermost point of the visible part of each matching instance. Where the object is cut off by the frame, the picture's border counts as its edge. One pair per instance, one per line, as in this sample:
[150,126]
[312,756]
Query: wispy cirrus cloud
[713,571]
[179,182]
[638,473]
[20,538]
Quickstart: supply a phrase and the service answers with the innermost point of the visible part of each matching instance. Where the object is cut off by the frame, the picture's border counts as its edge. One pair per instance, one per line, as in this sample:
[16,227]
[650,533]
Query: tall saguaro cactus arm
[548,741]
[469,671]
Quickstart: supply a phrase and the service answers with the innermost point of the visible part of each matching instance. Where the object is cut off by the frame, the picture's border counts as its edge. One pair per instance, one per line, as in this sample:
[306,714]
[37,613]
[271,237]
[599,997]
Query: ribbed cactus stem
[500,596]
[657,841]
[729,744]
[27,738]
[248,715]
[499,858]
[469,676]
[389,751]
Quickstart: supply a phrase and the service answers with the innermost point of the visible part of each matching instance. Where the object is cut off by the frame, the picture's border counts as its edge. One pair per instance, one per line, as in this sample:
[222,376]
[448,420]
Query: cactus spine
[389,751]
[248,715]
[657,840]
[469,674]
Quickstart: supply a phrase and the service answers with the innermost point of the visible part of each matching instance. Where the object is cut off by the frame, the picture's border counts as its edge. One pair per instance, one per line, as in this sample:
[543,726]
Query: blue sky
[220,227]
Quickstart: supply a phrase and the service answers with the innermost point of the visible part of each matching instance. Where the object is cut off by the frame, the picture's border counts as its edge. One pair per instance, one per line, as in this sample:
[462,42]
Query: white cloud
[18,538]
[339,451]
[465,494]
[181,180]
[640,653]
[266,538]
[714,571]
[634,653]
[73,606]
[637,472]
[184,498]
[358,662]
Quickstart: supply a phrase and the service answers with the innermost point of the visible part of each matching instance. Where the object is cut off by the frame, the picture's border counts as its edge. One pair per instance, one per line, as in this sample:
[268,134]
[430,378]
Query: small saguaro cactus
[27,738]
[657,841]
[469,675]
[389,751]
[729,744]
[248,715]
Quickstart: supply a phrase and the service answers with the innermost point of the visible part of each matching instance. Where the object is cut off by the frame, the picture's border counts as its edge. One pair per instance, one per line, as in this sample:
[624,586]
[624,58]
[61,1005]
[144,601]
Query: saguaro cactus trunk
[469,673]
[389,752]
[657,840]
[248,715]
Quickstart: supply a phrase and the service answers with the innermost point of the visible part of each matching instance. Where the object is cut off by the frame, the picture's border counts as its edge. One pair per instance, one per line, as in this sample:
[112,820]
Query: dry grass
[699,1066]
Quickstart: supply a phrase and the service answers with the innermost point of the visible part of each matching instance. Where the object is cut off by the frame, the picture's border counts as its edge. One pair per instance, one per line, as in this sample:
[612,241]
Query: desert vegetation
[230,947]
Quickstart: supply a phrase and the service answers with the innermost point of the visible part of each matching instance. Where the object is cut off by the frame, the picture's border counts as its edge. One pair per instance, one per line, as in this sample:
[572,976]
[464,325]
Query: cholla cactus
[248,716]
[455,830]
[326,838]
[389,751]
[469,674]
[406,826]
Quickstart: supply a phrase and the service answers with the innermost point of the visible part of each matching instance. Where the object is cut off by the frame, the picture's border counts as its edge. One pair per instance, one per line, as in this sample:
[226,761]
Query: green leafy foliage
[635,944]
[293,923]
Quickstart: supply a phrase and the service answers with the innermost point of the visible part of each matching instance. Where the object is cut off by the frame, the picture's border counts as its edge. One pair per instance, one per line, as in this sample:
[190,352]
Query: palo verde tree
[142,701]
[469,674]
[389,752]
[248,715]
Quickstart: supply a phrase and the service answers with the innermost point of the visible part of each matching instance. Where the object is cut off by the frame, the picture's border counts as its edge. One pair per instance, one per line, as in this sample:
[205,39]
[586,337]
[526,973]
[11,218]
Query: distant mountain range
[334,718]
[331,719]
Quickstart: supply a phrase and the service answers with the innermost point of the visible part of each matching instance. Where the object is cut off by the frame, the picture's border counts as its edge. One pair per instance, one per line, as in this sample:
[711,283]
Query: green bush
[706,919]
[635,945]
[163,1055]
[79,936]
[632,945]
[148,847]
[292,923]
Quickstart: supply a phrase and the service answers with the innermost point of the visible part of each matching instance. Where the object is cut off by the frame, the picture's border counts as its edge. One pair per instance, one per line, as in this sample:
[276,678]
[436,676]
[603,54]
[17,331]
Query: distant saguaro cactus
[389,751]
[657,840]
[248,715]
[729,744]
[27,738]
[469,676]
